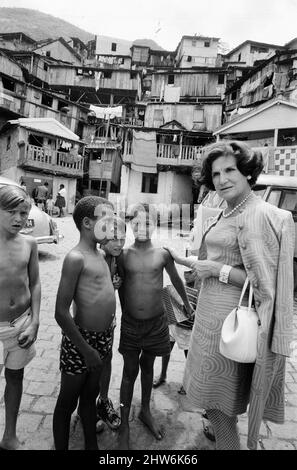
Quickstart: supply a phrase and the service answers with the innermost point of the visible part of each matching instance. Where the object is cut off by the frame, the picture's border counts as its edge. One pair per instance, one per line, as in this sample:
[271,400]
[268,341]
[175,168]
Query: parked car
[39,224]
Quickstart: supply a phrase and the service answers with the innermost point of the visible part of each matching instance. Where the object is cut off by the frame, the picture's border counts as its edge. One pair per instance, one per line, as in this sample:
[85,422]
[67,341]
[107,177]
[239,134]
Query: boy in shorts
[19,302]
[144,326]
[87,336]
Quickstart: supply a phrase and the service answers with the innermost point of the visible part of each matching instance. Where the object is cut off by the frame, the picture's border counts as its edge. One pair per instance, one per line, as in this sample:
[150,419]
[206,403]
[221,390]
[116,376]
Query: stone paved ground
[182,422]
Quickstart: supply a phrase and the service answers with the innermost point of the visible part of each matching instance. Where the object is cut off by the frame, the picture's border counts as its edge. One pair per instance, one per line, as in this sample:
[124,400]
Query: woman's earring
[249,177]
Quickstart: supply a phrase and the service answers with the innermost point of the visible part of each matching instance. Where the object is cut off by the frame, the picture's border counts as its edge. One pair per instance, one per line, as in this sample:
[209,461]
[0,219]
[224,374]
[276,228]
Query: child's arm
[185,261]
[121,272]
[178,283]
[208,268]
[29,335]
[72,267]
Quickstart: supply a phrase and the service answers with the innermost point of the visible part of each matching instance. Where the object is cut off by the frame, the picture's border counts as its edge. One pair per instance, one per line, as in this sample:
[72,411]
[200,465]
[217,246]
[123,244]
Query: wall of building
[70,186]
[9,152]
[12,100]
[200,54]
[120,79]
[185,113]
[58,51]
[34,109]
[10,68]
[131,182]
[275,117]
[36,65]
[250,57]
[103,46]
[182,189]
[191,84]
[15,44]
[172,189]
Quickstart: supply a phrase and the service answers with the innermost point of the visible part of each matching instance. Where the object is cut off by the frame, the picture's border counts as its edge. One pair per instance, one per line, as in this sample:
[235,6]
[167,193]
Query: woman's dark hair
[248,161]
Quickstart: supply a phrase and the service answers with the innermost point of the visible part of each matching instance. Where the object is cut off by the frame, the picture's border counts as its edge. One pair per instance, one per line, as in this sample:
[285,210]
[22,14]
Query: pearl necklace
[237,207]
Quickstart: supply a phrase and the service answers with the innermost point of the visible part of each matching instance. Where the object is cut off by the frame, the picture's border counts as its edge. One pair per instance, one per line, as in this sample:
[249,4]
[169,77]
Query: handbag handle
[243,292]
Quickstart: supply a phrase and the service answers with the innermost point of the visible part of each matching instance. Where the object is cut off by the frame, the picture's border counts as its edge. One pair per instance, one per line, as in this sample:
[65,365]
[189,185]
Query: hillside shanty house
[197,51]
[40,149]
[158,162]
[249,52]
[182,109]
[273,78]
[16,41]
[95,86]
[12,89]
[192,97]
[58,49]
[103,160]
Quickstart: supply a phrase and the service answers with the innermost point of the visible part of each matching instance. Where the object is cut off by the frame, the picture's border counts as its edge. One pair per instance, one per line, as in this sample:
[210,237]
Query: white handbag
[239,335]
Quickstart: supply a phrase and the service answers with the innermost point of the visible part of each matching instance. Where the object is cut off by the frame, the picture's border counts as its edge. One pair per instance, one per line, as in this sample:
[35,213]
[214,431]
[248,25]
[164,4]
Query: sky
[166,21]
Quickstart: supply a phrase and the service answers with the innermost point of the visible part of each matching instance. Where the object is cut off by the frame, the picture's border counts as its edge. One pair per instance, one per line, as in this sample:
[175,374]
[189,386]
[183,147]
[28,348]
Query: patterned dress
[211,380]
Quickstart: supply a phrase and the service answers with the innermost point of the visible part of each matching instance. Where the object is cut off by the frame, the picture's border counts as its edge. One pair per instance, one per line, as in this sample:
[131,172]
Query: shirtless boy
[19,302]
[144,326]
[87,336]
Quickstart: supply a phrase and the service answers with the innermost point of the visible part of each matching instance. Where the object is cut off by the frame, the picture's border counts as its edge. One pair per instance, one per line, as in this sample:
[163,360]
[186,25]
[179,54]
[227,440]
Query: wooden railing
[277,160]
[169,154]
[51,160]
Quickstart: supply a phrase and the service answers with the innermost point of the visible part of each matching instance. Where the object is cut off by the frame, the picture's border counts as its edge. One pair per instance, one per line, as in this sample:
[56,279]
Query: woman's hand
[177,258]
[206,268]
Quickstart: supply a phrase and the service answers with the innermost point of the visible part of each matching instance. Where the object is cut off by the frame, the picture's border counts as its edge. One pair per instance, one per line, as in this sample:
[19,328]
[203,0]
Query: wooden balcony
[101,143]
[168,154]
[51,161]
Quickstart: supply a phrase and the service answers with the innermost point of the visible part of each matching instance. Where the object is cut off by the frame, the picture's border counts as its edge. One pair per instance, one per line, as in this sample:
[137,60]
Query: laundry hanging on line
[144,150]
[103,113]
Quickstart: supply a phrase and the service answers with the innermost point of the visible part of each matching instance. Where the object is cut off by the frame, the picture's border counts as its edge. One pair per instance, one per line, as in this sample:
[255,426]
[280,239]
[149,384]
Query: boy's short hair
[91,207]
[110,227]
[11,196]
[136,209]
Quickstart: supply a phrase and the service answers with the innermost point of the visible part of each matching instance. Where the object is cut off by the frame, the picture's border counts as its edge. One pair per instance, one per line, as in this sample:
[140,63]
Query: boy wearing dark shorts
[144,326]
[87,336]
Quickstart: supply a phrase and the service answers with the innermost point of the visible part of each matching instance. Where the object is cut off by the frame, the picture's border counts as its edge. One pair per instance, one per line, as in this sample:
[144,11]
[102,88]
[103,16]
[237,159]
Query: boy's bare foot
[158,382]
[123,438]
[10,444]
[148,420]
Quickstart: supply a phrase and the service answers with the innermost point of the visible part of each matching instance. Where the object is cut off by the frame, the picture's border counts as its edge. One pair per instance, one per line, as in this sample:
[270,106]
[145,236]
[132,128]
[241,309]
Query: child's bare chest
[144,263]
[95,270]
[14,257]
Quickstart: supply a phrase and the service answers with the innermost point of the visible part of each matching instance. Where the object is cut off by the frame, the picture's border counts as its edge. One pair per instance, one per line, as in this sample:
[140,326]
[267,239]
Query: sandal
[207,427]
[182,391]
[158,382]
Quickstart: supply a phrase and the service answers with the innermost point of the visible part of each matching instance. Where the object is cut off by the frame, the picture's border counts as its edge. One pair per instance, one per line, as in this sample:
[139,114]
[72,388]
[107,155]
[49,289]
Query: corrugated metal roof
[47,126]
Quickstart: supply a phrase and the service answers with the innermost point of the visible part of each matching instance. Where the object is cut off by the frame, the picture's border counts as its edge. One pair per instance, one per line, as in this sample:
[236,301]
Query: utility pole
[105,142]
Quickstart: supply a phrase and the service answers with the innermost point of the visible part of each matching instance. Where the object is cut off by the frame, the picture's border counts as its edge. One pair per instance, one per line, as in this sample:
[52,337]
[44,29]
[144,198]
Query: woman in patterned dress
[249,238]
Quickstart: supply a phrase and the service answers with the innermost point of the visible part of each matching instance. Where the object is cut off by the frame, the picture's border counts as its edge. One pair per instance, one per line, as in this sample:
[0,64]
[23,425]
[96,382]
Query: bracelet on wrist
[224,273]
